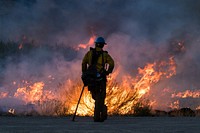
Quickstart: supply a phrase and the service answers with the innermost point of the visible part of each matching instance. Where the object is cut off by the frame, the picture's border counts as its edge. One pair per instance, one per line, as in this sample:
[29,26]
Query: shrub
[142,109]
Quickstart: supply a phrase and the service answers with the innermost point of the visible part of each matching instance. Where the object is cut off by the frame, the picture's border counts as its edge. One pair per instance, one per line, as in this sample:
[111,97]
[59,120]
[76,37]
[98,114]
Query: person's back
[94,76]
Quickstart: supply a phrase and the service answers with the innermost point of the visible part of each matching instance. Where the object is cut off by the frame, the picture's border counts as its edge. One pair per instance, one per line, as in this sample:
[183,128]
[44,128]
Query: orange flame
[89,44]
[175,105]
[33,93]
[187,93]
[121,97]
[3,94]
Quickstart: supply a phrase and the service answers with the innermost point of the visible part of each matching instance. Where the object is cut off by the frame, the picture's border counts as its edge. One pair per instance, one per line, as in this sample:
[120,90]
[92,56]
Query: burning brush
[123,96]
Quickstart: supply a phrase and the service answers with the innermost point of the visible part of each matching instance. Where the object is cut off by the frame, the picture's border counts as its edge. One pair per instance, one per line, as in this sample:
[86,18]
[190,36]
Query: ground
[115,124]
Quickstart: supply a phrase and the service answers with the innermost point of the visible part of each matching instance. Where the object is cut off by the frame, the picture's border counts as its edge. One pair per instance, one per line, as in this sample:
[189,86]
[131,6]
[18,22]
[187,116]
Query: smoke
[137,32]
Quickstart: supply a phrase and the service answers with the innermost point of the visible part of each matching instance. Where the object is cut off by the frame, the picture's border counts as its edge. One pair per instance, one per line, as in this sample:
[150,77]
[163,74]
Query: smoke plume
[136,31]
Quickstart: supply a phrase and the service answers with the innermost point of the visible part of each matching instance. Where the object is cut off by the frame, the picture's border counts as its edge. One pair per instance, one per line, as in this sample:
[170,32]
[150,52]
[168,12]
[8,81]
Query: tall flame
[122,96]
[33,93]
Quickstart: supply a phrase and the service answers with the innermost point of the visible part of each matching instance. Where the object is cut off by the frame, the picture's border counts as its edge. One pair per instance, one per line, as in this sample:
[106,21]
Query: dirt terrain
[115,124]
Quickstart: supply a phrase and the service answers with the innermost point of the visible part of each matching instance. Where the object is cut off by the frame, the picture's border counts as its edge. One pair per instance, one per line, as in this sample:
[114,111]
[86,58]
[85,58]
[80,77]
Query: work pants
[98,91]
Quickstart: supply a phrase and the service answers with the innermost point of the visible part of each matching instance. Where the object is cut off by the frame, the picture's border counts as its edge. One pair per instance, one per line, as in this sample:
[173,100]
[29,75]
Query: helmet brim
[100,43]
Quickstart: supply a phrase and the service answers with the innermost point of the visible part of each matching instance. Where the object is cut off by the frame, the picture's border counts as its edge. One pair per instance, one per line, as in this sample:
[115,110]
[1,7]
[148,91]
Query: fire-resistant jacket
[107,59]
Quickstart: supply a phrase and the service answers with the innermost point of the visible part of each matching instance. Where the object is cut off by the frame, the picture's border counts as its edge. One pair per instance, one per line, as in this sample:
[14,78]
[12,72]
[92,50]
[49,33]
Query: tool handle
[78,104]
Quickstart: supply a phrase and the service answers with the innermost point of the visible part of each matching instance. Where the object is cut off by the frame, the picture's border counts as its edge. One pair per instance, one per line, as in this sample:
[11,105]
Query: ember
[11,111]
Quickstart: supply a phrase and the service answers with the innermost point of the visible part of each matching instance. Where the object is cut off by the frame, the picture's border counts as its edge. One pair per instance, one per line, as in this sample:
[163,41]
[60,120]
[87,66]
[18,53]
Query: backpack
[91,75]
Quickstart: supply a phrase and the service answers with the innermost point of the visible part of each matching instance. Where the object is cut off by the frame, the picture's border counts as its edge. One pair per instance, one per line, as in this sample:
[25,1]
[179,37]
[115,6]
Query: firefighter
[96,65]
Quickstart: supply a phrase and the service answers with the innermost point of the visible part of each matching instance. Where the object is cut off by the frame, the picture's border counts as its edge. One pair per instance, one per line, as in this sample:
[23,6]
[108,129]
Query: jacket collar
[98,49]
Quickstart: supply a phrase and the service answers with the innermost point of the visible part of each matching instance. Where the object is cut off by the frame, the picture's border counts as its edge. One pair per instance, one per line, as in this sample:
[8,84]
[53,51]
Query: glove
[84,79]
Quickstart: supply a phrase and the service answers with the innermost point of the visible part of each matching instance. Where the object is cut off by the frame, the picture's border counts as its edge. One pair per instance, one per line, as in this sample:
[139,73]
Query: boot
[97,112]
[104,113]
